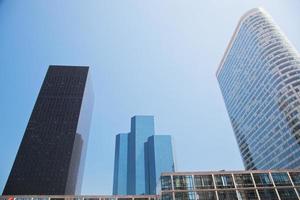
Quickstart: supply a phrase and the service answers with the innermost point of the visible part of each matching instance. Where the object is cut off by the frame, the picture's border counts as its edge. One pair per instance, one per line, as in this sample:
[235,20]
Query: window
[167,196]
[247,195]
[91,198]
[262,180]
[224,181]
[227,195]
[185,196]
[183,182]
[243,180]
[287,194]
[295,176]
[166,183]
[267,194]
[206,195]
[281,179]
[203,182]
[108,199]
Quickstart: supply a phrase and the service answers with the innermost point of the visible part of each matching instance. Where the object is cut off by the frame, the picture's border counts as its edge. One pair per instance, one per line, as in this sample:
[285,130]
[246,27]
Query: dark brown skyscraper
[50,159]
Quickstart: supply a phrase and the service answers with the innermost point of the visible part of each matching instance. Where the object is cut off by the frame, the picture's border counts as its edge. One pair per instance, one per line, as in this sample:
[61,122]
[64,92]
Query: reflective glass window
[262,179]
[247,195]
[167,196]
[203,182]
[206,195]
[243,180]
[298,190]
[185,196]
[267,194]
[295,176]
[227,195]
[224,181]
[183,182]
[281,179]
[166,183]
[287,194]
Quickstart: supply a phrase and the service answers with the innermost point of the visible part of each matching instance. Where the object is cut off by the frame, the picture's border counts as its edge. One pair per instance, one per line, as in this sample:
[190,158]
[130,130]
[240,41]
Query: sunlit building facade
[51,156]
[142,127]
[140,158]
[231,185]
[259,77]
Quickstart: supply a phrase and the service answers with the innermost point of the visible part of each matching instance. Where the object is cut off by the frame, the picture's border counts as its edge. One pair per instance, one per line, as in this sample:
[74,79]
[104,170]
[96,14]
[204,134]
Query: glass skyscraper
[259,77]
[51,156]
[159,159]
[142,127]
[120,171]
[138,158]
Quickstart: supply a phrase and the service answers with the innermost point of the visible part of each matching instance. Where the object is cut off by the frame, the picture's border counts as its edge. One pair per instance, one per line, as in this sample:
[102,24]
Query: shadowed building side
[50,159]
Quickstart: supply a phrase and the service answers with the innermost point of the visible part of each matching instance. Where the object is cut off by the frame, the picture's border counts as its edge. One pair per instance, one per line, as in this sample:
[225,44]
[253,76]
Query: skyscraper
[259,77]
[51,156]
[141,164]
[120,169]
[142,127]
[158,159]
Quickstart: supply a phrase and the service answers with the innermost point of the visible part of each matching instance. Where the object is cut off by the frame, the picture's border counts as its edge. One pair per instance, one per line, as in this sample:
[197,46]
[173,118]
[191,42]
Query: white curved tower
[259,77]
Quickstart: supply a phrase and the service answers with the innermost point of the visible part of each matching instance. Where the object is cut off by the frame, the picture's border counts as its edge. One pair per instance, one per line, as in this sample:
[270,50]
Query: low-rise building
[231,185]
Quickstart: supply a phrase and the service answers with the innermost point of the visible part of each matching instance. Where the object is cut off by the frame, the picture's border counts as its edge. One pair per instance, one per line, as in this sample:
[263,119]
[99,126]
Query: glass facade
[262,180]
[203,182]
[142,127]
[120,169]
[259,77]
[159,158]
[239,185]
[224,181]
[51,156]
[140,158]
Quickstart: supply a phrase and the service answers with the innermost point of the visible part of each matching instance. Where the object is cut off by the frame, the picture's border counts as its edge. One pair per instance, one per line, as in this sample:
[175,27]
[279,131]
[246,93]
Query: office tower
[231,185]
[142,127]
[141,165]
[120,169]
[259,77]
[158,156]
[50,159]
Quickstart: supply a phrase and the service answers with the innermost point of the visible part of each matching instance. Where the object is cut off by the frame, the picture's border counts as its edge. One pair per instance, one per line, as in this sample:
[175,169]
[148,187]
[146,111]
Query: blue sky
[146,57]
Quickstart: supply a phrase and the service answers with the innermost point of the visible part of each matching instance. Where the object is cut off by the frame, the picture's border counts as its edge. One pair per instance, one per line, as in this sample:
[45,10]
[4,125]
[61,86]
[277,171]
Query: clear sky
[156,57]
